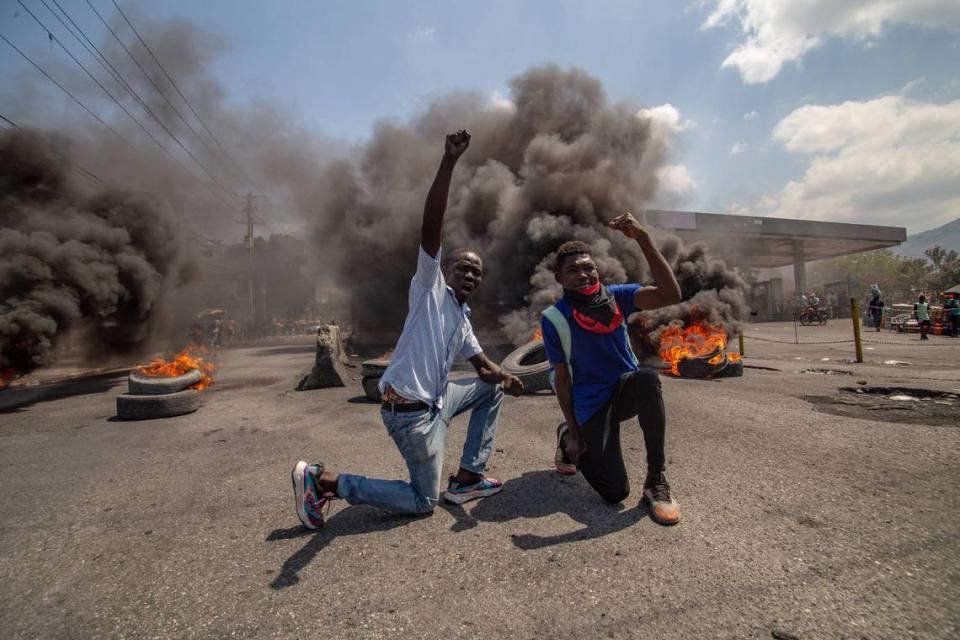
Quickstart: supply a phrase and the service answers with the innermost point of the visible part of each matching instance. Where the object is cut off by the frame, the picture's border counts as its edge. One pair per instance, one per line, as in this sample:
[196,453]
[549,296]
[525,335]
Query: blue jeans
[421,437]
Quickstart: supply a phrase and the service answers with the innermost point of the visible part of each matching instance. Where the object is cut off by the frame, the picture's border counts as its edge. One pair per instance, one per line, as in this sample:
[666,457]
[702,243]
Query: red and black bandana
[594,308]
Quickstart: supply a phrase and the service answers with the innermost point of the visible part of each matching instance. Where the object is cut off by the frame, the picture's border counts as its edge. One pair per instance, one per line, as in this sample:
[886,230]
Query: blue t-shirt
[598,359]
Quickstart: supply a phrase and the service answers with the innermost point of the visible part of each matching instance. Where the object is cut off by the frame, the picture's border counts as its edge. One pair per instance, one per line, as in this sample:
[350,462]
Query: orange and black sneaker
[656,493]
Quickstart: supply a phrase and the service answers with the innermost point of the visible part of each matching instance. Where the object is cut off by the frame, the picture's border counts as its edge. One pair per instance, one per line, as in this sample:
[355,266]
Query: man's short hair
[570,248]
[456,254]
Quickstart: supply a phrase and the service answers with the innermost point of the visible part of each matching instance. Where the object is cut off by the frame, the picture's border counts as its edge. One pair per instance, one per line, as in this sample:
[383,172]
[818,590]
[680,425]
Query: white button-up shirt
[437,328]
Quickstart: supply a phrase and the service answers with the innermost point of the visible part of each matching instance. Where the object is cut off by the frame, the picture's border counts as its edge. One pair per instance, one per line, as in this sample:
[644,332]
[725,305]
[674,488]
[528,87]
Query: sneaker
[309,498]
[560,460]
[663,508]
[459,493]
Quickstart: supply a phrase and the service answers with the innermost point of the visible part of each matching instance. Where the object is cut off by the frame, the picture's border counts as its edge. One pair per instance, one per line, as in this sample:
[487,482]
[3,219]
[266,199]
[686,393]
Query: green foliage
[900,278]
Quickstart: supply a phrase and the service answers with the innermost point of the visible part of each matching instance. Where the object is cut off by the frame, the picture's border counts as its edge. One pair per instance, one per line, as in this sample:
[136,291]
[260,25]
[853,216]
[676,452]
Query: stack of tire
[157,397]
[371,372]
[529,363]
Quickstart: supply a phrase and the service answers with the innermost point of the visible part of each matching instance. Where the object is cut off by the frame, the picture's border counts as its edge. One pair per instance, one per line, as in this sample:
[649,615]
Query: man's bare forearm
[663,277]
[431,232]
[565,400]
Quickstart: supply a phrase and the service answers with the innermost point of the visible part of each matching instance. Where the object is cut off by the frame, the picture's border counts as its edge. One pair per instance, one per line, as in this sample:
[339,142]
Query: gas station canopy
[749,241]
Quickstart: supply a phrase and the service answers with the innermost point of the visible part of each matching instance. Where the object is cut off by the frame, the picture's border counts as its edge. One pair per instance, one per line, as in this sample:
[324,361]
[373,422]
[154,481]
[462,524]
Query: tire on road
[529,363]
[140,384]
[133,407]
[371,388]
[374,368]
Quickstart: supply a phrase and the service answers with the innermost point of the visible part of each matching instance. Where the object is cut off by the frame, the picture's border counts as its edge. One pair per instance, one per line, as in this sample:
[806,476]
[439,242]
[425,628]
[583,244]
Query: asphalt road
[797,523]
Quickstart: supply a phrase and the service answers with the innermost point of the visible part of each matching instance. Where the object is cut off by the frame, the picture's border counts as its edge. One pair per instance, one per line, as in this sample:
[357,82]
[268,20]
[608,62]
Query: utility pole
[250,221]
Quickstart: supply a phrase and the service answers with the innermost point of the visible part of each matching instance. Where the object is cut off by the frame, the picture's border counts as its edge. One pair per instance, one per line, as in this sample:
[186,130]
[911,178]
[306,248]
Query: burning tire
[530,364]
[140,384]
[371,387]
[133,407]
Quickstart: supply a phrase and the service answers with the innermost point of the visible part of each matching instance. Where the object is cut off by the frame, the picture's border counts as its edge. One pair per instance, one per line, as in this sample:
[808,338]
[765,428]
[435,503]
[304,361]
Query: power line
[142,70]
[99,84]
[65,90]
[119,104]
[105,63]
[165,128]
[180,93]
[86,172]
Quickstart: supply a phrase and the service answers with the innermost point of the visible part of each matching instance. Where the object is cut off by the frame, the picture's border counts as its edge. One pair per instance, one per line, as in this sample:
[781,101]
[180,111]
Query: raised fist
[457,143]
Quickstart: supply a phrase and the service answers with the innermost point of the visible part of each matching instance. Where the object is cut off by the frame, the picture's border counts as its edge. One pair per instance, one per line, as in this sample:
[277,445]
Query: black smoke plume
[712,292]
[554,164]
[104,258]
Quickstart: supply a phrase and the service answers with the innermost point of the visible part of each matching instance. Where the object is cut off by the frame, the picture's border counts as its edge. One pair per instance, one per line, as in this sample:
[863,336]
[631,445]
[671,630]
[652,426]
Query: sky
[835,110]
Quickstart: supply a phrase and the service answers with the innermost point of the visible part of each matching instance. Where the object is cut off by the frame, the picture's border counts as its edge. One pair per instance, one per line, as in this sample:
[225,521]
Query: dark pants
[955,325]
[638,394]
[924,326]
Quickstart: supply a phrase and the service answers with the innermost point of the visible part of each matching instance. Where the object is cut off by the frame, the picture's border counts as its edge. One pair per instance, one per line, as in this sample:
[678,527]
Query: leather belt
[406,407]
[394,402]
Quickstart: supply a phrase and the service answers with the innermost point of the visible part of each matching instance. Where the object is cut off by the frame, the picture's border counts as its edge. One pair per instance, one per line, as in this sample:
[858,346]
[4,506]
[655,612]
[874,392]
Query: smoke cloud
[64,257]
[553,164]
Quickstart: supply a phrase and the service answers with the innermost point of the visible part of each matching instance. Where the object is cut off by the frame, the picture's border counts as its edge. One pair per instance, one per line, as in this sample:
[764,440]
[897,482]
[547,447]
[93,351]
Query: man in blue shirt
[598,380]
[418,399]
[951,310]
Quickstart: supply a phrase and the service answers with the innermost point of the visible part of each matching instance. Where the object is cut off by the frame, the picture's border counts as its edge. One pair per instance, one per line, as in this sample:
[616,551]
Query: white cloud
[674,180]
[666,118]
[890,160]
[738,148]
[780,31]
[499,101]
[674,185]
[750,115]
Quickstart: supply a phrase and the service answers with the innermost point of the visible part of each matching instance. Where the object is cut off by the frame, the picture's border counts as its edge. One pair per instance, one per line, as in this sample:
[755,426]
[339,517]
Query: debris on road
[329,368]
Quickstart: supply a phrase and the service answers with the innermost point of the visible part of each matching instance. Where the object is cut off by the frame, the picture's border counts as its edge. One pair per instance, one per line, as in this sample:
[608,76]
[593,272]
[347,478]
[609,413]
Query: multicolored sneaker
[459,493]
[309,497]
[560,460]
[656,493]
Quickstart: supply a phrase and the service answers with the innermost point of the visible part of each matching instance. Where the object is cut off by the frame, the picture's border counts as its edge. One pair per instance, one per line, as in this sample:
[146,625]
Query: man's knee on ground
[426,504]
[613,495]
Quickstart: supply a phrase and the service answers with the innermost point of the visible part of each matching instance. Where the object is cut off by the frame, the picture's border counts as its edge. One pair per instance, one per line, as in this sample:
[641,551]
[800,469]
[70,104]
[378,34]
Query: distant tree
[946,267]
[936,255]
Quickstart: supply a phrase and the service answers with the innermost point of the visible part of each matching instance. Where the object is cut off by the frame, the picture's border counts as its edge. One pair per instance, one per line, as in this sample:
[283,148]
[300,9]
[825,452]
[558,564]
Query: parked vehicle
[814,315]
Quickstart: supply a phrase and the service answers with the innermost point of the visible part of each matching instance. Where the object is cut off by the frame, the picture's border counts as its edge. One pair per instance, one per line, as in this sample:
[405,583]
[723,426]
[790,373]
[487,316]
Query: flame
[537,335]
[678,343]
[193,356]
[6,375]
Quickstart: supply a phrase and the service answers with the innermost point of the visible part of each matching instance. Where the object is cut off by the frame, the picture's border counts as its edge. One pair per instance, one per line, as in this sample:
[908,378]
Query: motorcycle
[811,315]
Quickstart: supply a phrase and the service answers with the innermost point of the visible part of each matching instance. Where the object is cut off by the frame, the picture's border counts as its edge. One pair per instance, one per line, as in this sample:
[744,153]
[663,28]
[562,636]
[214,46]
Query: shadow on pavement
[537,494]
[15,398]
[346,522]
